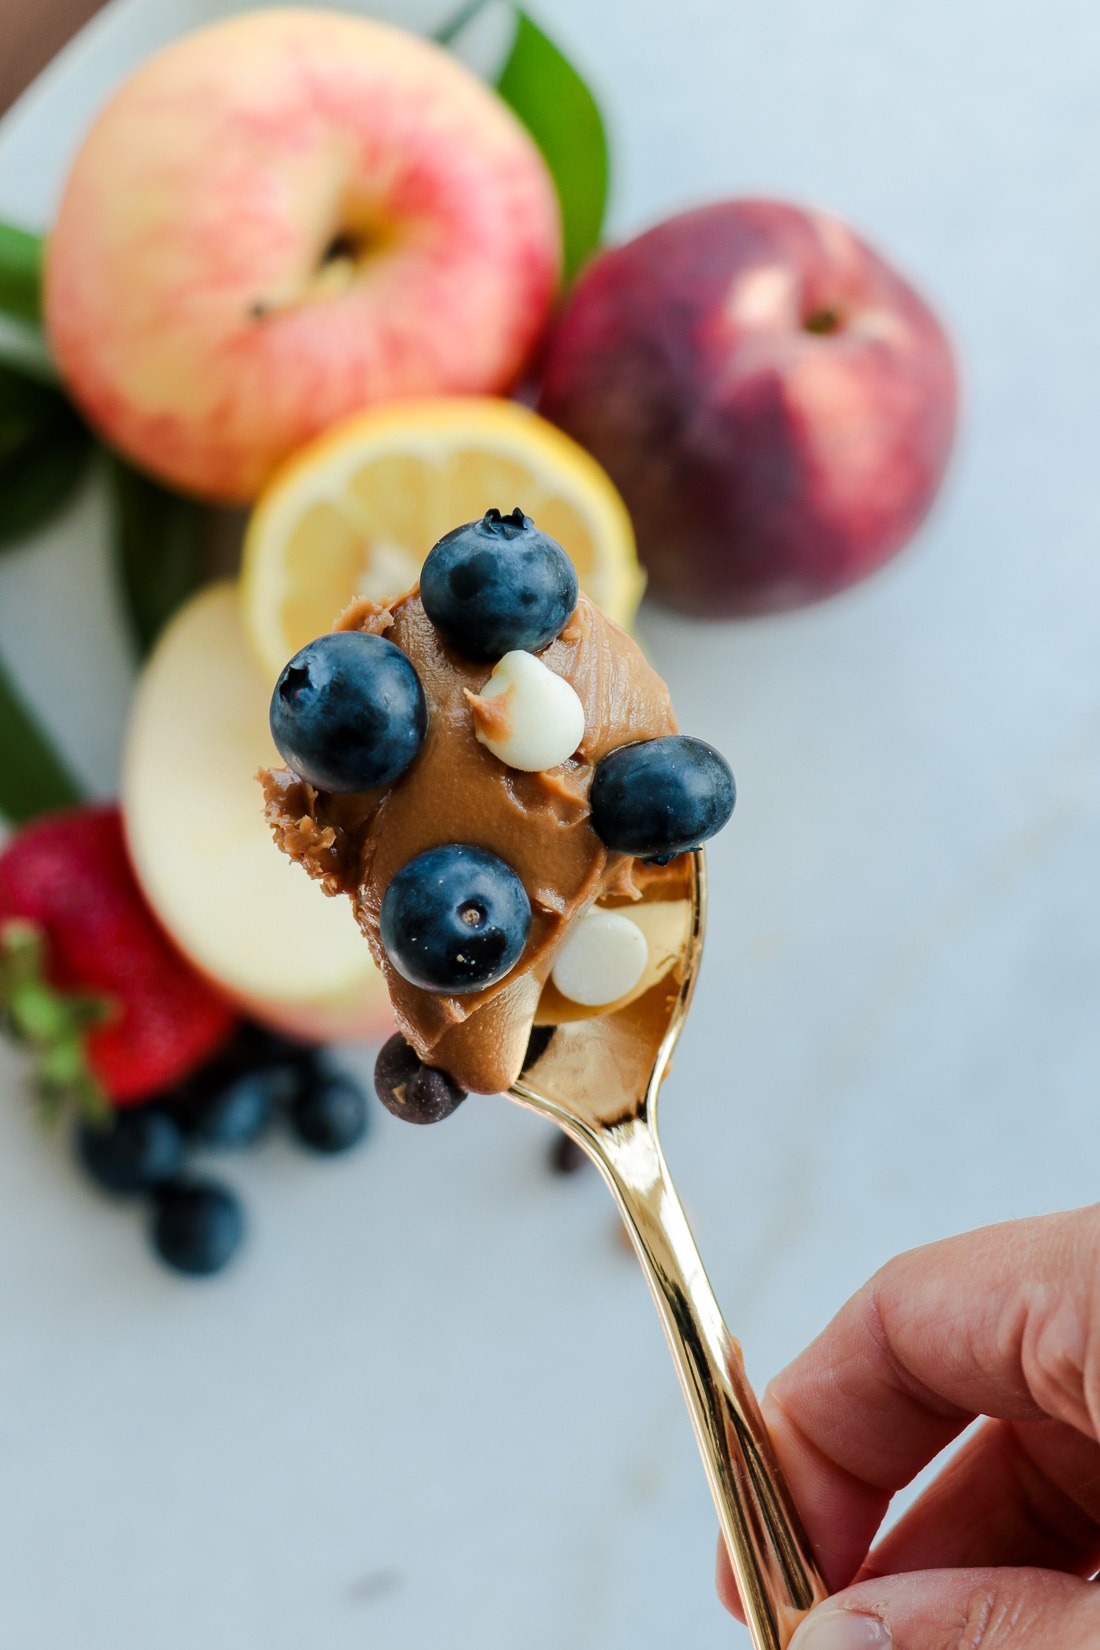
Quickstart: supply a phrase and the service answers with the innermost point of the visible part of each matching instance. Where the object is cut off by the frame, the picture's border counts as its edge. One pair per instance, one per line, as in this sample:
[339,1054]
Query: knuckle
[1060,1349]
[1053,1362]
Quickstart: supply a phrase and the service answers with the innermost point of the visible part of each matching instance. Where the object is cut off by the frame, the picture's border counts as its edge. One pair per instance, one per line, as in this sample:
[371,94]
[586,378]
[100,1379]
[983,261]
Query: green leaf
[548,95]
[20,273]
[33,778]
[44,447]
[156,540]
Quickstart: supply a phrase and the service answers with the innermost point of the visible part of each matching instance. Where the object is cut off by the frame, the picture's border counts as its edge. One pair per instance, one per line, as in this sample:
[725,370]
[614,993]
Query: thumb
[958,1610]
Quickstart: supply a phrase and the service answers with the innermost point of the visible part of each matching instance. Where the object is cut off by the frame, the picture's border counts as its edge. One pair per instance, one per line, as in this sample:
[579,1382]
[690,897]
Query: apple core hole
[344,245]
[823,321]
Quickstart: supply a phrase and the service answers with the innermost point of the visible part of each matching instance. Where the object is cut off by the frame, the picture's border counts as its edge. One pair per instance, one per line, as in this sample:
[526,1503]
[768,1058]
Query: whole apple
[283,218]
[775,403]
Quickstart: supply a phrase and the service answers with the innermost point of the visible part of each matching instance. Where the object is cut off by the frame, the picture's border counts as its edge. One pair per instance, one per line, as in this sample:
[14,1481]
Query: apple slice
[202,849]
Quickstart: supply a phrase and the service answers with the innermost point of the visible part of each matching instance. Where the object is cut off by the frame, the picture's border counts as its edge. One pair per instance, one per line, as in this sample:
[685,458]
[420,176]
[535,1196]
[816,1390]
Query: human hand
[1002,1323]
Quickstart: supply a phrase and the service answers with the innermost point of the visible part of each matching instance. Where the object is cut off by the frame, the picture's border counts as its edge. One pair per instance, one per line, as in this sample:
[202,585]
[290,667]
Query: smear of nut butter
[493,717]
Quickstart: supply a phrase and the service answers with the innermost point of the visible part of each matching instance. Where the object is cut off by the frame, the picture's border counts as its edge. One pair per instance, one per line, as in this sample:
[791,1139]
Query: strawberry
[87,975]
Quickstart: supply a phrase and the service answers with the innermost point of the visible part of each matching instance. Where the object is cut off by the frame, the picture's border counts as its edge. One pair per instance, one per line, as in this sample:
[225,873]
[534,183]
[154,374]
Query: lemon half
[355,513]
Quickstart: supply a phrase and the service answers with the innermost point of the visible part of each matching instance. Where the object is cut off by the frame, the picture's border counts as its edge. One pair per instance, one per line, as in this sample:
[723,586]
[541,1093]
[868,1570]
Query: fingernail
[841,1630]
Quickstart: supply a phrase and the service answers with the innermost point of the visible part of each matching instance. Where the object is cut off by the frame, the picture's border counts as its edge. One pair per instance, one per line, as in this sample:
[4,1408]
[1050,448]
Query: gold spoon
[598,1079]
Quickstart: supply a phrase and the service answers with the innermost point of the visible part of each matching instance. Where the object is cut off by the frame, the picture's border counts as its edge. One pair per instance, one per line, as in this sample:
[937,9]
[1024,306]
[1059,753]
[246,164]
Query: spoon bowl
[598,1078]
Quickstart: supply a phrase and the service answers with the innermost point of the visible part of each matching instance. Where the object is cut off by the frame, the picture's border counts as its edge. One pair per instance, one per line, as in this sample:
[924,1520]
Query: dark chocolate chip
[410,1089]
[537,1045]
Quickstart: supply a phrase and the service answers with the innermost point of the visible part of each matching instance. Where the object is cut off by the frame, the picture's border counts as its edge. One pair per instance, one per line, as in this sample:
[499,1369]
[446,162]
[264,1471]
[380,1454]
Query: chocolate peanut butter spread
[457,791]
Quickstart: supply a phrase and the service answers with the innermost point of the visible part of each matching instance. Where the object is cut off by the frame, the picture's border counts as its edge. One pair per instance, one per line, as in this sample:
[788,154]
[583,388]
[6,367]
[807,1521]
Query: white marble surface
[432,1404]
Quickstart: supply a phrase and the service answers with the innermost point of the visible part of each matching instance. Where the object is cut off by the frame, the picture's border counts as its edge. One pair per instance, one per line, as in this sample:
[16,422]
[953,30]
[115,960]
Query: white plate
[431,1405]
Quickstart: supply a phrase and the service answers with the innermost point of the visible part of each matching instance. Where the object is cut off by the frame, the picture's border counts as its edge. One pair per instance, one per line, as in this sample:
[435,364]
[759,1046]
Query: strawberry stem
[50,1024]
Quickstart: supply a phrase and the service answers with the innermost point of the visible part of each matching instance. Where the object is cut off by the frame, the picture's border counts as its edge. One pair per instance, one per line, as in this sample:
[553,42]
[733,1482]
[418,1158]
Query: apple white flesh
[202,849]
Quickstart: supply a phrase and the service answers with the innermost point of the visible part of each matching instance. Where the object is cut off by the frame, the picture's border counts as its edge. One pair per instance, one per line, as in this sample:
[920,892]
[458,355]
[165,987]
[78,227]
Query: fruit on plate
[232,1100]
[90,979]
[255,1078]
[202,848]
[132,1150]
[356,513]
[775,404]
[282,218]
[329,1114]
[198,1224]
[259,1077]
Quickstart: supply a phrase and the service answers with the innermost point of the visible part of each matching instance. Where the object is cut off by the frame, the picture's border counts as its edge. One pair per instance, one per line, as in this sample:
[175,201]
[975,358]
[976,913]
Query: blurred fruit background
[894,1034]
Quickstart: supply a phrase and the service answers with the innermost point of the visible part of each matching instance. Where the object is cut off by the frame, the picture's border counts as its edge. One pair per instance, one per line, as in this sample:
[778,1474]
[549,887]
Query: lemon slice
[355,513]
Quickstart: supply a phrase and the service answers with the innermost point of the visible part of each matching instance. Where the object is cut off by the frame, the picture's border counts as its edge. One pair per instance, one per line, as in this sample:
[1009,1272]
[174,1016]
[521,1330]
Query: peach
[283,218]
[775,404]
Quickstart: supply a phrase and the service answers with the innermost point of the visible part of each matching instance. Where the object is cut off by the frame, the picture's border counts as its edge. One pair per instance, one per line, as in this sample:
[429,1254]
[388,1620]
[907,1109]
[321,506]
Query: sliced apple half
[201,847]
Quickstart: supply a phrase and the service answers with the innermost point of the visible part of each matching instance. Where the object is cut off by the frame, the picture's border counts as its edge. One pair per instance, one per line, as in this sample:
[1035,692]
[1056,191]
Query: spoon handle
[768,1548]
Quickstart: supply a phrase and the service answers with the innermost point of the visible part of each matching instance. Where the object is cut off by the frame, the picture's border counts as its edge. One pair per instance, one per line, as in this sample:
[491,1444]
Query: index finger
[1002,1322]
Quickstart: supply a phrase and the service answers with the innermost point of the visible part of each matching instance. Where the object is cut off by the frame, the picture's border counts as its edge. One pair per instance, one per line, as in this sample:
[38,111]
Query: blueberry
[566,1157]
[455,919]
[661,797]
[197,1225]
[411,1090]
[498,584]
[330,1112]
[256,1045]
[229,1100]
[348,712]
[236,1112]
[137,1148]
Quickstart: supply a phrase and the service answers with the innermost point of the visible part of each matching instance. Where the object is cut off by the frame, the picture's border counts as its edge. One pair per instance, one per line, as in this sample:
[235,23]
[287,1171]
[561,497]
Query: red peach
[774,402]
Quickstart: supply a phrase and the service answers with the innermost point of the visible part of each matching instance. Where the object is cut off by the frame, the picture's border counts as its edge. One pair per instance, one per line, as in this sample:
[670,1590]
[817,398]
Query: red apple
[284,218]
[774,402]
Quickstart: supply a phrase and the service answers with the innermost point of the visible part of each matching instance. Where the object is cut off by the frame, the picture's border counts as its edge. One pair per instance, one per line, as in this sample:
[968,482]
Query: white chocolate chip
[603,958]
[539,721]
